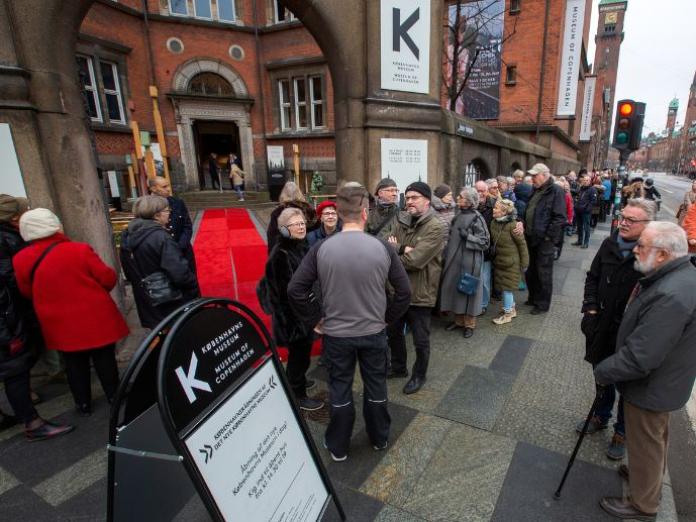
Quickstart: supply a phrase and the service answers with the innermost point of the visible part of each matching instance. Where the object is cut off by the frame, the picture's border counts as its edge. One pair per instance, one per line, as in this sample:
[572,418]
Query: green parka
[511,256]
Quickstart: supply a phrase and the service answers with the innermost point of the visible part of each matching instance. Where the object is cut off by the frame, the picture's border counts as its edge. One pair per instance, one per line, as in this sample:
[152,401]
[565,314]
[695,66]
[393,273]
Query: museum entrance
[220,138]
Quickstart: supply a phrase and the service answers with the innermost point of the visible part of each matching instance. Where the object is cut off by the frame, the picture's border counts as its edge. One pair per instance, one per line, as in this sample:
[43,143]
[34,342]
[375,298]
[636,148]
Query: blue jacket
[319,234]
[586,199]
[606,196]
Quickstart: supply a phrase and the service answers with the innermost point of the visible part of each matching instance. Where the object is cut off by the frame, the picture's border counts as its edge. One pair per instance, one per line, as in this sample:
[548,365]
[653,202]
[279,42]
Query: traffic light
[629,125]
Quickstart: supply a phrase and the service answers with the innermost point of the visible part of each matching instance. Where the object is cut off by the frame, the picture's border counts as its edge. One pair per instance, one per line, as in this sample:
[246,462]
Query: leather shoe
[620,508]
[452,326]
[468,332]
[415,384]
[47,430]
[392,374]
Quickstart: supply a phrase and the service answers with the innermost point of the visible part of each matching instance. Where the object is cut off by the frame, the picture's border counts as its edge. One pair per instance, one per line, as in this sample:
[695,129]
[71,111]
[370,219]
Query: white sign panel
[570,63]
[254,458]
[113,184]
[405,43]
[587,107]
[11,181]
[405,161]
[276,157]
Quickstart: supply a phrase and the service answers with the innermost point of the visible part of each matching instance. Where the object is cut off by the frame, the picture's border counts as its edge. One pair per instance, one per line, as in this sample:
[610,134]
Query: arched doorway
[515,166]
[212,104]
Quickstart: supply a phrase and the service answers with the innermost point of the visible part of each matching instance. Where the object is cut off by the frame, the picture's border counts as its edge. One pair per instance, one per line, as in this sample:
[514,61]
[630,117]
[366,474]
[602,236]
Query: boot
[504,319]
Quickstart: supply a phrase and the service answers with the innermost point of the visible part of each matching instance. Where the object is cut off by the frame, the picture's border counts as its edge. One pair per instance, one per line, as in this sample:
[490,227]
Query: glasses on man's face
[643,246]
[630,220]
[392,190]
[299,224]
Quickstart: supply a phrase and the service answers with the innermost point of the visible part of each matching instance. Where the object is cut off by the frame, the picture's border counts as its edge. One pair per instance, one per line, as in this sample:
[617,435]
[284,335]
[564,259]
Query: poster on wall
[587,107]
[11,181]
[404,161]
[570,63]
[405,45]
[474,63]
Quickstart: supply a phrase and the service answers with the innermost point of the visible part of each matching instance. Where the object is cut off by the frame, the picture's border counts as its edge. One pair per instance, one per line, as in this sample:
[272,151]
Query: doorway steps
[204,199]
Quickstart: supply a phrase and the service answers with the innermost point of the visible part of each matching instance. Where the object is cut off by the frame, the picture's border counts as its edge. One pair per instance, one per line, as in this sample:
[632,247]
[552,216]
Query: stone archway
[189,109]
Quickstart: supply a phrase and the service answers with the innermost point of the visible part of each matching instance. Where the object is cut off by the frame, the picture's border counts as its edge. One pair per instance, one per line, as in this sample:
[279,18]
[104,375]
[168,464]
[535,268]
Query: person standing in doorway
[237,176]
[214,171]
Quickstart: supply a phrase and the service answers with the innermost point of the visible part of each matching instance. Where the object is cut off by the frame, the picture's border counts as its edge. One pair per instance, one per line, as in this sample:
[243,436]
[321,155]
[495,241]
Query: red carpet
[231,258]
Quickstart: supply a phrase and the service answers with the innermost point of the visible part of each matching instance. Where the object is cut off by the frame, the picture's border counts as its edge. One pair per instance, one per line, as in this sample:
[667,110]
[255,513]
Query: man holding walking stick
[654,366]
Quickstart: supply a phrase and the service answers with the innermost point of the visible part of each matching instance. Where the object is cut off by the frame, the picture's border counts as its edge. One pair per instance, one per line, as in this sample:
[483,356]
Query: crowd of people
[362,272]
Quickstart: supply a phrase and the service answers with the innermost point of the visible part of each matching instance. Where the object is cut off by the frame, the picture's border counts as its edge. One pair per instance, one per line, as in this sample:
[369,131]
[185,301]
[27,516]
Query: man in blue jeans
[608,286]
[353,316]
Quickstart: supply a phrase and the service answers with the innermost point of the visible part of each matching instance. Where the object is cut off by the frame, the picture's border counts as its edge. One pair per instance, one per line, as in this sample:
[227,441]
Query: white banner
[276,157]
[253,457]
[405,161]
[587,107]
[11,181]
[570,63]
[405,45]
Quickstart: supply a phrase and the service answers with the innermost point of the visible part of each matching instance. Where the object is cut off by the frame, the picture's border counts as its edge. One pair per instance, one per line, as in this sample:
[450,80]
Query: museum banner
[587,107]
[570,61]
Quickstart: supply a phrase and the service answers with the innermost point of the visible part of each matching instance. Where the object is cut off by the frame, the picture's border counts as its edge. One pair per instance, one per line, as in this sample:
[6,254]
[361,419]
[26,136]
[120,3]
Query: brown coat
[511,256]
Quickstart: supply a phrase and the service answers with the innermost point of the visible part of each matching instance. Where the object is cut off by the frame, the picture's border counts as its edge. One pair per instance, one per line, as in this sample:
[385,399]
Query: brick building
[230,76]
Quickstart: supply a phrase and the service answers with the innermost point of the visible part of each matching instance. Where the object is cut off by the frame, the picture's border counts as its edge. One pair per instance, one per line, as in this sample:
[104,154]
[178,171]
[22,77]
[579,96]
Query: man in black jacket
[587,196]
[180,225]
[544,220]
[608,286]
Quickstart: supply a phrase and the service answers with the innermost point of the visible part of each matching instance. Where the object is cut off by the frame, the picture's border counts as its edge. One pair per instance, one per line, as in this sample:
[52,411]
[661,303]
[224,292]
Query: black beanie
[384,183]
[420,187]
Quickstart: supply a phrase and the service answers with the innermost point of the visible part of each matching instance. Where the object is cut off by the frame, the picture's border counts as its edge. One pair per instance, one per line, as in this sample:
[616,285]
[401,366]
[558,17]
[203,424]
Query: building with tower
[608,40]
[672,115]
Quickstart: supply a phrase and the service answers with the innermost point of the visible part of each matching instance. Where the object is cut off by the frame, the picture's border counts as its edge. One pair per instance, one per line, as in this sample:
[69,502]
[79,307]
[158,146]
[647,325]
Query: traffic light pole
[623,177]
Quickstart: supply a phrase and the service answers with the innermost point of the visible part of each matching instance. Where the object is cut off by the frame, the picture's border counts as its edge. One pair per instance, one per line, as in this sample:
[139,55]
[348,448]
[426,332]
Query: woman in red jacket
[69,286]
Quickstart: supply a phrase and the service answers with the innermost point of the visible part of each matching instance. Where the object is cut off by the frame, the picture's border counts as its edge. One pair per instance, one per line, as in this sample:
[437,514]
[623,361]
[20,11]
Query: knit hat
[420,187]
[324,205]
[10,206]
[38,224]
[384,183]
[442,190]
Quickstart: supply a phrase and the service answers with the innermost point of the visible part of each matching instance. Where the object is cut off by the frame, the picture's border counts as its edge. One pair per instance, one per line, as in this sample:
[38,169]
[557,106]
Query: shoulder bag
[157,286]
[468,283]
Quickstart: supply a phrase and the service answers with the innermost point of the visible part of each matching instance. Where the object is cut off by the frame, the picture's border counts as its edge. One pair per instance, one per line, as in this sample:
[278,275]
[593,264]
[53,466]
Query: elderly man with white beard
[654,366]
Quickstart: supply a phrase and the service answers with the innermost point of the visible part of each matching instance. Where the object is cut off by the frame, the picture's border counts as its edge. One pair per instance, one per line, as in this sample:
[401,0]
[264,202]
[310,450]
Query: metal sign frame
[178,437]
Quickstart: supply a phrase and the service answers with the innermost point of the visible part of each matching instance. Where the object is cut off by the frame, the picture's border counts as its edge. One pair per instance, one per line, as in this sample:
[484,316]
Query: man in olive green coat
[419,239]
[381,222]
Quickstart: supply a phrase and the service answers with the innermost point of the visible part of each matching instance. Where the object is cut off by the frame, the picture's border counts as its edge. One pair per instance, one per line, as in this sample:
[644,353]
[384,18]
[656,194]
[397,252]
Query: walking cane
[598,396]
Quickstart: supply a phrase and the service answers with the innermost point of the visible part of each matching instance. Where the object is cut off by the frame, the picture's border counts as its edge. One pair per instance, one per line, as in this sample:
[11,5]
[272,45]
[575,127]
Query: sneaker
[335,458]
[617,447]
[596,424]
[309,384]
[47,430]
[382,447]
[503,319]
[308,404]
[513,314]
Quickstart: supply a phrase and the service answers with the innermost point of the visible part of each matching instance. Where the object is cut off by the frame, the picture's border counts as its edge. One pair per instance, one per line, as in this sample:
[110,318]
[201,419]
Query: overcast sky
[658,56]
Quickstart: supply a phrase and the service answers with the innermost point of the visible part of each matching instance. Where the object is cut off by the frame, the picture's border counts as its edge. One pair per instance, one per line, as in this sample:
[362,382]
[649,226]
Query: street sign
[229,412]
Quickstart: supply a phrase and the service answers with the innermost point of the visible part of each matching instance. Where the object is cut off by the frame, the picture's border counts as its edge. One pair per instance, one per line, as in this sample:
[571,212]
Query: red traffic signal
[625,109]
[628,126]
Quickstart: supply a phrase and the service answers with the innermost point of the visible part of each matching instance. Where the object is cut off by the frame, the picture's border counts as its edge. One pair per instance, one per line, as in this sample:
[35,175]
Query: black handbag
[157,286]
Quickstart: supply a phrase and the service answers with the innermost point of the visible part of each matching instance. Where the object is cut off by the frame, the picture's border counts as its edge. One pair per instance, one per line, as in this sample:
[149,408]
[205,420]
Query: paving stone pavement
[486,439]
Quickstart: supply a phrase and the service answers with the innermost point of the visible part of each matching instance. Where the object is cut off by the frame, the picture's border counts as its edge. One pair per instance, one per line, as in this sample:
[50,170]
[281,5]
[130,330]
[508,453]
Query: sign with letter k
[189,382]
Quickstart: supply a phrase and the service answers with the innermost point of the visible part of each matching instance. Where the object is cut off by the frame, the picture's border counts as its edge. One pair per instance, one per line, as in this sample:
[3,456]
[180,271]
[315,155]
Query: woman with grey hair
[467,243]
[147,248]
[290,197]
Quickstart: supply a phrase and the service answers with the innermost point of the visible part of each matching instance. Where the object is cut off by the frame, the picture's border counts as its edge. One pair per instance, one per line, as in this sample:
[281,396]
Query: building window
[284,99]
[226,10]
[210,84]
[300,88]
[202,9]
[89,87]
[511,75]
[515,6]
[316,96]
[178,7]
[281,13]
[112,92]
[175,45]
[609,28]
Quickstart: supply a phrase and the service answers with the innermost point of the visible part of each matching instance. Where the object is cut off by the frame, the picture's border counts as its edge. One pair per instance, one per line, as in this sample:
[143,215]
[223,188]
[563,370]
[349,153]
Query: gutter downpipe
[542,75]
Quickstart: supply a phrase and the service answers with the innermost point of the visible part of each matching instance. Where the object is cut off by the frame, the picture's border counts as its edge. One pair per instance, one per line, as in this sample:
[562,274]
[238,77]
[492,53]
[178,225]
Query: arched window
[210,84]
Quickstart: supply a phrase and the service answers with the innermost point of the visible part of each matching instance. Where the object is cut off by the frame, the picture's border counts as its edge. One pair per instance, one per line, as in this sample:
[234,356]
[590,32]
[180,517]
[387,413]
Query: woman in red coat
[69,286]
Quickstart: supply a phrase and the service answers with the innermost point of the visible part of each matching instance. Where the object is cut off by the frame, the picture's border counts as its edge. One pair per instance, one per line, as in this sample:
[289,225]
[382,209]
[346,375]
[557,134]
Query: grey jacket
[655,360]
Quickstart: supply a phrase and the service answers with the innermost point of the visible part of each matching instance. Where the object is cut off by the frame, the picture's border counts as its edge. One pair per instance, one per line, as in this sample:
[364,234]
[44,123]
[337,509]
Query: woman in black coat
[288,330]
[290,197]
[147,247]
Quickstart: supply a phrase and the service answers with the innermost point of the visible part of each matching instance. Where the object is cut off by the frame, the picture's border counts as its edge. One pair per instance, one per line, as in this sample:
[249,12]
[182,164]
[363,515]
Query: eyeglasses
[632,221]
[328,213]
[641,246]
[393,190]
[300,224]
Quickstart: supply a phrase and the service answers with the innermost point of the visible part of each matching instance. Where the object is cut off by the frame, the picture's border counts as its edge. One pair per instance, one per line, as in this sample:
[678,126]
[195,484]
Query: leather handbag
[468,284]
[159,289]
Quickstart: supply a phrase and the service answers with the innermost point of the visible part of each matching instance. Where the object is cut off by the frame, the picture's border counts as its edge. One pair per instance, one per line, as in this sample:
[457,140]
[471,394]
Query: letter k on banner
[189,381]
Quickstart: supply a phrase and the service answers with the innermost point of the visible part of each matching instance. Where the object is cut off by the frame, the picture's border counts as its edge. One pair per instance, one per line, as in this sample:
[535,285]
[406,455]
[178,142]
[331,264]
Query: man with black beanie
[381,222]
[419,239]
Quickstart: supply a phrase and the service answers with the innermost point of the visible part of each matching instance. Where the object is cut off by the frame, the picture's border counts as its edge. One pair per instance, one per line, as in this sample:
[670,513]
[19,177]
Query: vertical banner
[11,181]
[474,59]
[587,107]
[570,62]
[405,161]
[405,45]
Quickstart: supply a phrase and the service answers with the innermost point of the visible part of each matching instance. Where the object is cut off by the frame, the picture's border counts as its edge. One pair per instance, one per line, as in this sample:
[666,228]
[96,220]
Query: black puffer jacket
[146,247]
[282,263]
[608,286]
[550,215]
